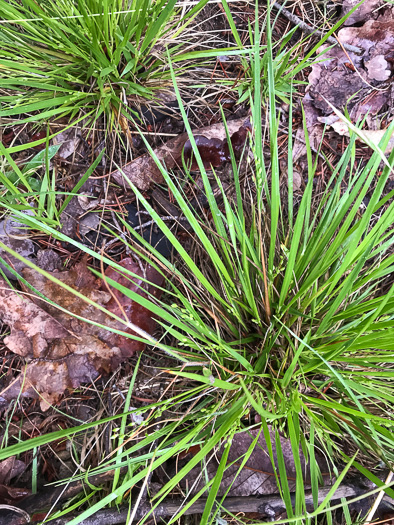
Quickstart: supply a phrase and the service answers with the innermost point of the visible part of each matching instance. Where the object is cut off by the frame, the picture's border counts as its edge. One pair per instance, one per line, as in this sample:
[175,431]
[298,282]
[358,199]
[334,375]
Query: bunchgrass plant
[60,58]
[298,331]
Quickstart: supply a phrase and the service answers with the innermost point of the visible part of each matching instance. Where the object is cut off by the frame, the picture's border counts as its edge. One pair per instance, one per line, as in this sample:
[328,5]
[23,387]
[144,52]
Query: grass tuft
[60,58]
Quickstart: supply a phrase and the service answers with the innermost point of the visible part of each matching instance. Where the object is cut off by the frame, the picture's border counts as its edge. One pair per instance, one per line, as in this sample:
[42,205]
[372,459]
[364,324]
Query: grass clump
[58,58]
[260,58]
[297,324]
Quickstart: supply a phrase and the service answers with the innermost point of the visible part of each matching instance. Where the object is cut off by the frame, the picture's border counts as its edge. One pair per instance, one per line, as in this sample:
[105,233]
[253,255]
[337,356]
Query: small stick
[378,500]
[166,218]
[311,31]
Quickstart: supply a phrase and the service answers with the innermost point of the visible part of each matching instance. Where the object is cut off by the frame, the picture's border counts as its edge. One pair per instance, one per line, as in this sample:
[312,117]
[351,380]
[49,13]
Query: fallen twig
[378,500]
[52,497]
[266,505]
[311,30]
[166,218]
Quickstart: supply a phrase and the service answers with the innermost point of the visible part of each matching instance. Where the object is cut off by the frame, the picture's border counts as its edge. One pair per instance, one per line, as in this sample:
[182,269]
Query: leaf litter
[143,171]
[16,237]
[11,468]
[257,477]
[360,84]
[346,79]
[364,12]
[63,351]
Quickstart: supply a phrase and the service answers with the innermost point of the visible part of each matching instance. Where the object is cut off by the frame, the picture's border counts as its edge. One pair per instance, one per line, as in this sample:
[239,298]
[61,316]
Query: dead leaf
[214,152]
[48,260]
[7,136]
[372,135]
[14,235]
[10,495]
[297,180]
[143,171]
[257,476]
[378,68]
[364,12]
[376,38]
[11,468]
[69,140]
[211,152]
[88,223]
[335,81]
[39,135]
[315,130]
[347,80]
[75,220]
[120,304]
[70,218]
[62,351]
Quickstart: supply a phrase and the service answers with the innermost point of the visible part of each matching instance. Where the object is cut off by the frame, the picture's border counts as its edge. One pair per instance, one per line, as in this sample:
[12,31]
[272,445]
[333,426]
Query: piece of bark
[143,171]
[11,468]
[368,136]
[53,497]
